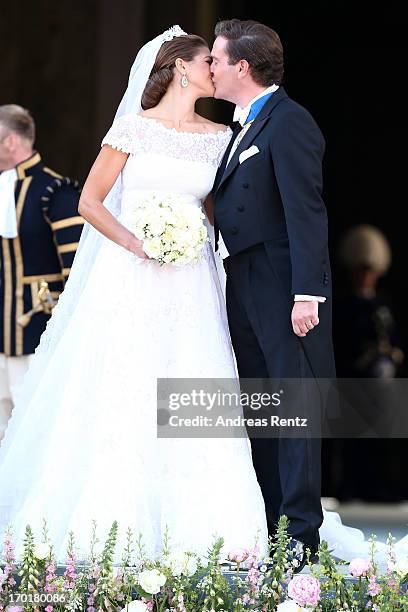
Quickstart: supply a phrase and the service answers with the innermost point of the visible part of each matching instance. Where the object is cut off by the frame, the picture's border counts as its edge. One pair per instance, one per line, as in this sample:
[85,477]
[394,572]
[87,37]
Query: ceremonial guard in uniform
[39,232]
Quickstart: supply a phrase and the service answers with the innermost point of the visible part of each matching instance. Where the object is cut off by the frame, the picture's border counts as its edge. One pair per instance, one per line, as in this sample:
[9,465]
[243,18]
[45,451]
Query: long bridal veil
[347,542]
[88,248]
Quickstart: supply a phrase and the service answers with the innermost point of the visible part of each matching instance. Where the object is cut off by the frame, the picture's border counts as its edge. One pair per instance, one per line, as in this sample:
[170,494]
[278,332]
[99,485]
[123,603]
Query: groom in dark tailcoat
[270,214]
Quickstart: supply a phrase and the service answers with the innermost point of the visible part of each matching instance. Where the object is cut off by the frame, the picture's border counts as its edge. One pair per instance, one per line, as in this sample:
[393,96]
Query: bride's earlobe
[180,66]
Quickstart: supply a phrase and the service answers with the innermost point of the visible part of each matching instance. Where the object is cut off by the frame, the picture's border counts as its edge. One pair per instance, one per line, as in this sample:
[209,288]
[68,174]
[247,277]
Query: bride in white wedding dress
[82,440]
[84,444]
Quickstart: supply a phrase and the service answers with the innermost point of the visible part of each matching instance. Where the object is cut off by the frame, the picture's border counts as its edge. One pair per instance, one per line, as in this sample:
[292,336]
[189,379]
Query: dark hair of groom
[259,45]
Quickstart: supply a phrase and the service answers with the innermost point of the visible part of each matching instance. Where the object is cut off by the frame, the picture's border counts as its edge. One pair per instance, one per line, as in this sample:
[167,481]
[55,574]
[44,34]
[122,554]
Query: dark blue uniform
[49,228]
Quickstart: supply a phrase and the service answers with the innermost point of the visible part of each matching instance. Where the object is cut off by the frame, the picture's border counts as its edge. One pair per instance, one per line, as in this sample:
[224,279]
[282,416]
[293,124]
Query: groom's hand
[304,317]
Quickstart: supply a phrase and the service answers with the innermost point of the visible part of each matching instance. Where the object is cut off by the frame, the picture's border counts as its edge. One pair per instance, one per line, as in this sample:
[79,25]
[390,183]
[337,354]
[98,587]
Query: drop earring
[184,81]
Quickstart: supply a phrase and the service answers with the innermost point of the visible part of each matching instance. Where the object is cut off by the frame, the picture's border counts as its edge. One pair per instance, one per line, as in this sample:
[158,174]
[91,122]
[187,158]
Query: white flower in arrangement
[75,603]
[157,226]
[135,606]
[182,563]
[290,606]
[42,551]
[151,581]
[401,566]
[171,228]
[152,247]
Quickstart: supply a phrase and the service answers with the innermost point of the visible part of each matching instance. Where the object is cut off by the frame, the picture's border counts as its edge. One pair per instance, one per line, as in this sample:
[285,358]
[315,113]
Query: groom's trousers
[259,316]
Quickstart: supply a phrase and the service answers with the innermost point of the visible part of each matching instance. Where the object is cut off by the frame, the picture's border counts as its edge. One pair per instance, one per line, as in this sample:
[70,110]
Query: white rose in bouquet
[157,226]
[171,228]
[152,247]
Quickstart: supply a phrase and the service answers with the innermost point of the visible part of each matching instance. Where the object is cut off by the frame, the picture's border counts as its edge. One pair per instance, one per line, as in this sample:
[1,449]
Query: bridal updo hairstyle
[184,47]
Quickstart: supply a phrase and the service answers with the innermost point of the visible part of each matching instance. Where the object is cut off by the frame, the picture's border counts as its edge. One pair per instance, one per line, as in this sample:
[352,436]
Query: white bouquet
[171,228]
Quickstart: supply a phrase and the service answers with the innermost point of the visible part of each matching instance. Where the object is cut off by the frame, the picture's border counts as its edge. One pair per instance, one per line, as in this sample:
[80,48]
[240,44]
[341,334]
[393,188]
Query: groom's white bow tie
[8,219]
[241,114]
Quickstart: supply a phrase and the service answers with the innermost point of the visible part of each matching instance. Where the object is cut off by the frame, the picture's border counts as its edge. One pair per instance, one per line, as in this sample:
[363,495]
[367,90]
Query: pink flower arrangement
[149,604]
[238,555]
[359,567]
[50,578]
[50,585]
[95,572]
[253,578]
[304,590]
[70,573]
[10,566]
[373,586]
[393,584]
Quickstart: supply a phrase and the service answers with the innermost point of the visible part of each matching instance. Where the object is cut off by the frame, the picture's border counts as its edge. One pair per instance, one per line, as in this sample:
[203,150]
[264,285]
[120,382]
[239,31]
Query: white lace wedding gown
[84,446]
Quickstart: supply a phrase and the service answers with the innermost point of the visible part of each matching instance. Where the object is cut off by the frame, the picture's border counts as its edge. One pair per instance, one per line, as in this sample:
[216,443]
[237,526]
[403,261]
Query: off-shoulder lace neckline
[134,134]
[172,129]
